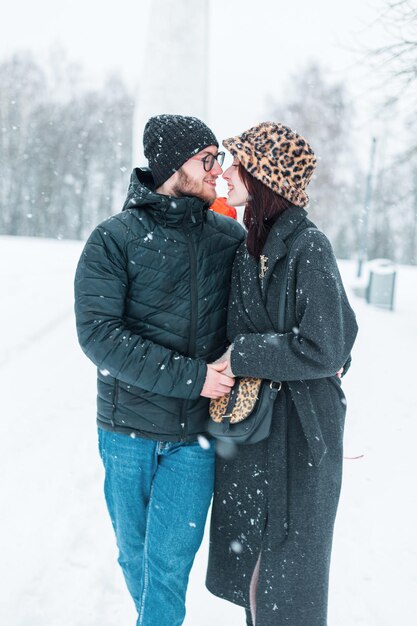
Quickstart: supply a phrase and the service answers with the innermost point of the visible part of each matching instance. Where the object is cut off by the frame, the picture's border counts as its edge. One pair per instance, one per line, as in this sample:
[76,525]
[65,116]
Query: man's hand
[216,384]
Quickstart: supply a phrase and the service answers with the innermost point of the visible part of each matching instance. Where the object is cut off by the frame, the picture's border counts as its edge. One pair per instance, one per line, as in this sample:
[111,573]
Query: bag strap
[283,292]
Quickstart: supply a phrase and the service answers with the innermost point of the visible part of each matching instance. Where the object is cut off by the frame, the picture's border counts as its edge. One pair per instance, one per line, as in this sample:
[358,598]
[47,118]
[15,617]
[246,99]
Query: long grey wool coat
[278,498]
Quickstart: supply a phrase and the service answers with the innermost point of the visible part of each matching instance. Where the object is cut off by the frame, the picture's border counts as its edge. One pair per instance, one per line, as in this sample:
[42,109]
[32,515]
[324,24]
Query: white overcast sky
[254,46]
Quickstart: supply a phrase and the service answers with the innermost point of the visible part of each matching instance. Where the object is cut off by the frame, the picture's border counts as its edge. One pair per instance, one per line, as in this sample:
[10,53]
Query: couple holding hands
[174,302]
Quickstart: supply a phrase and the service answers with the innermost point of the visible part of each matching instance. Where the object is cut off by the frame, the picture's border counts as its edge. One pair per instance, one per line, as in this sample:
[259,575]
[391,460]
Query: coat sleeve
[322,339]
[101,288]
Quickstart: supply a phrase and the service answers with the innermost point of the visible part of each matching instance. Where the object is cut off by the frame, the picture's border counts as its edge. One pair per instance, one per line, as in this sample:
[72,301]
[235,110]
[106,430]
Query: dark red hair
[261,211]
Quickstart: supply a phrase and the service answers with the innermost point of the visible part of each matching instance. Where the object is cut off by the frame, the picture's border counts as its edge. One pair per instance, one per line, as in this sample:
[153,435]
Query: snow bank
[58,563]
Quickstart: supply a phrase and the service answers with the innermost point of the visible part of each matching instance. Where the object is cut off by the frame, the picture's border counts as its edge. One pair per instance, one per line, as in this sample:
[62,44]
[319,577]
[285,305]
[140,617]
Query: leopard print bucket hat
[278,157]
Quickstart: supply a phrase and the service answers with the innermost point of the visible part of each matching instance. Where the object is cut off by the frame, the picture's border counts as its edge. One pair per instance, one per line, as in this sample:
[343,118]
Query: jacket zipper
[193,321]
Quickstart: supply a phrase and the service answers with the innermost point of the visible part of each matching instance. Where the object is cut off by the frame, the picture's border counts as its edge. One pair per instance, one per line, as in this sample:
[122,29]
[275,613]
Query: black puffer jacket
[151,293]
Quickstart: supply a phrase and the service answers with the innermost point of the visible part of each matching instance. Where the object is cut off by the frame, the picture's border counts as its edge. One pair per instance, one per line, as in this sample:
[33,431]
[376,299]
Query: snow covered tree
[64,149]
[395,64]
[22,89]
[320,111]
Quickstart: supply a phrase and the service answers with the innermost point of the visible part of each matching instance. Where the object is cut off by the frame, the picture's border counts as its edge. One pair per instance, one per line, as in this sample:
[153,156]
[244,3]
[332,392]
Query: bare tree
[394,220]
[397,59]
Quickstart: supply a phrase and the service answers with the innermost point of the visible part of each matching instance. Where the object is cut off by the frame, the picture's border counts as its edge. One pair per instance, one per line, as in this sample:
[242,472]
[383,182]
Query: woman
[275,501]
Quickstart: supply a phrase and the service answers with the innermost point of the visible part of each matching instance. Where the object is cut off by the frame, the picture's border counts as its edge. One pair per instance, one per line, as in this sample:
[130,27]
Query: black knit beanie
[170,140]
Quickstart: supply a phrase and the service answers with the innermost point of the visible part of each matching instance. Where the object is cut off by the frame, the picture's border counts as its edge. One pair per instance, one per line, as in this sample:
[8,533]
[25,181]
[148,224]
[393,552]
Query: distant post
[176,69]
[363,238]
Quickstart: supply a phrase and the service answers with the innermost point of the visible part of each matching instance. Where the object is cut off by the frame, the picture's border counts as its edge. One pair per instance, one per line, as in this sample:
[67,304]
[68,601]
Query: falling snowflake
[203,442]
[236,547]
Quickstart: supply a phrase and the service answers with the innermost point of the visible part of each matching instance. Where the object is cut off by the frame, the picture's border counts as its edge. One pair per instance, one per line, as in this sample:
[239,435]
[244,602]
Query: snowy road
[58,556]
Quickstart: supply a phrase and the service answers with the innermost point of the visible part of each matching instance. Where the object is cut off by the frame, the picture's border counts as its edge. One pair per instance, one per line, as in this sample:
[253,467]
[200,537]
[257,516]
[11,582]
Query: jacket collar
[275,247]
[166,210]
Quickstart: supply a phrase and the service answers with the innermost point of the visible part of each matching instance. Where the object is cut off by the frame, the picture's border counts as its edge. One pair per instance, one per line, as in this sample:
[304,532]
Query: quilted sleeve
[101,286]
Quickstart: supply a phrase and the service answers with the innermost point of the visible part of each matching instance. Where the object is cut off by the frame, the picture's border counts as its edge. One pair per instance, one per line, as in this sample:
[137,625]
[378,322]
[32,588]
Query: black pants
[248,618]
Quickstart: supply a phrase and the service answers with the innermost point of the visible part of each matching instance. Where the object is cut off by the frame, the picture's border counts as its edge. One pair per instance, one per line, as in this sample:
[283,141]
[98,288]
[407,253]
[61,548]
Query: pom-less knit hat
[170,140]
[278,157]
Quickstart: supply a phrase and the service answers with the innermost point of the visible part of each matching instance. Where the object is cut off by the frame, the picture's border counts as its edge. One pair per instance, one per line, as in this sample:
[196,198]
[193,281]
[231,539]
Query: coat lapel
[250,294]
[253,282]
[275,247]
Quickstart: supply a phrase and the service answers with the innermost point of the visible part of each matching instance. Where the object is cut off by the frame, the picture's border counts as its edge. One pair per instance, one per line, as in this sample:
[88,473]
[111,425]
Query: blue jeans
[158,495]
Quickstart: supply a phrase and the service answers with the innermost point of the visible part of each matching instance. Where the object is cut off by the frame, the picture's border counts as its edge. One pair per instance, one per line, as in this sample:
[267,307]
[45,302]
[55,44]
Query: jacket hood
[167,210]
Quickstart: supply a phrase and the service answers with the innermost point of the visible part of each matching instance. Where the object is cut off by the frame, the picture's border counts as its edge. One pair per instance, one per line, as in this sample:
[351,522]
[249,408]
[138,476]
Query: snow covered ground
[58,558]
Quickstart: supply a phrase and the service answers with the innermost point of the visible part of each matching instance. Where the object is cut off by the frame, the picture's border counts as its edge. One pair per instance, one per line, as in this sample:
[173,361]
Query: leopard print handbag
[244,415]
[238,404]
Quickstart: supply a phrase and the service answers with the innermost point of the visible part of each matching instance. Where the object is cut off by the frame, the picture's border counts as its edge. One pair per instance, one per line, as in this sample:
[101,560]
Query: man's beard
[187,187]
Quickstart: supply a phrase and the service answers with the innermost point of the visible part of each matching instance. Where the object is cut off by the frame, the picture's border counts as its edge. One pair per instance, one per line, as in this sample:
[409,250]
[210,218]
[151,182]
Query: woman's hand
[226,358]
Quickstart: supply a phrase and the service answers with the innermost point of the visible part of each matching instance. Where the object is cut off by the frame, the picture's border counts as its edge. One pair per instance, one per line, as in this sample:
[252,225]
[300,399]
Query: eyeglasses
[208,161]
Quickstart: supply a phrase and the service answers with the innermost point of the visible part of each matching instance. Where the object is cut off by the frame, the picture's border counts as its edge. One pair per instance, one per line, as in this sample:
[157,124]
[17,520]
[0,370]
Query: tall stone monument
[175,73]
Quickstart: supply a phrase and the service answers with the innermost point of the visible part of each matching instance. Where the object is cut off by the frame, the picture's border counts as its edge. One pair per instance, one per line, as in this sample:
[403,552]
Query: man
[151,293]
